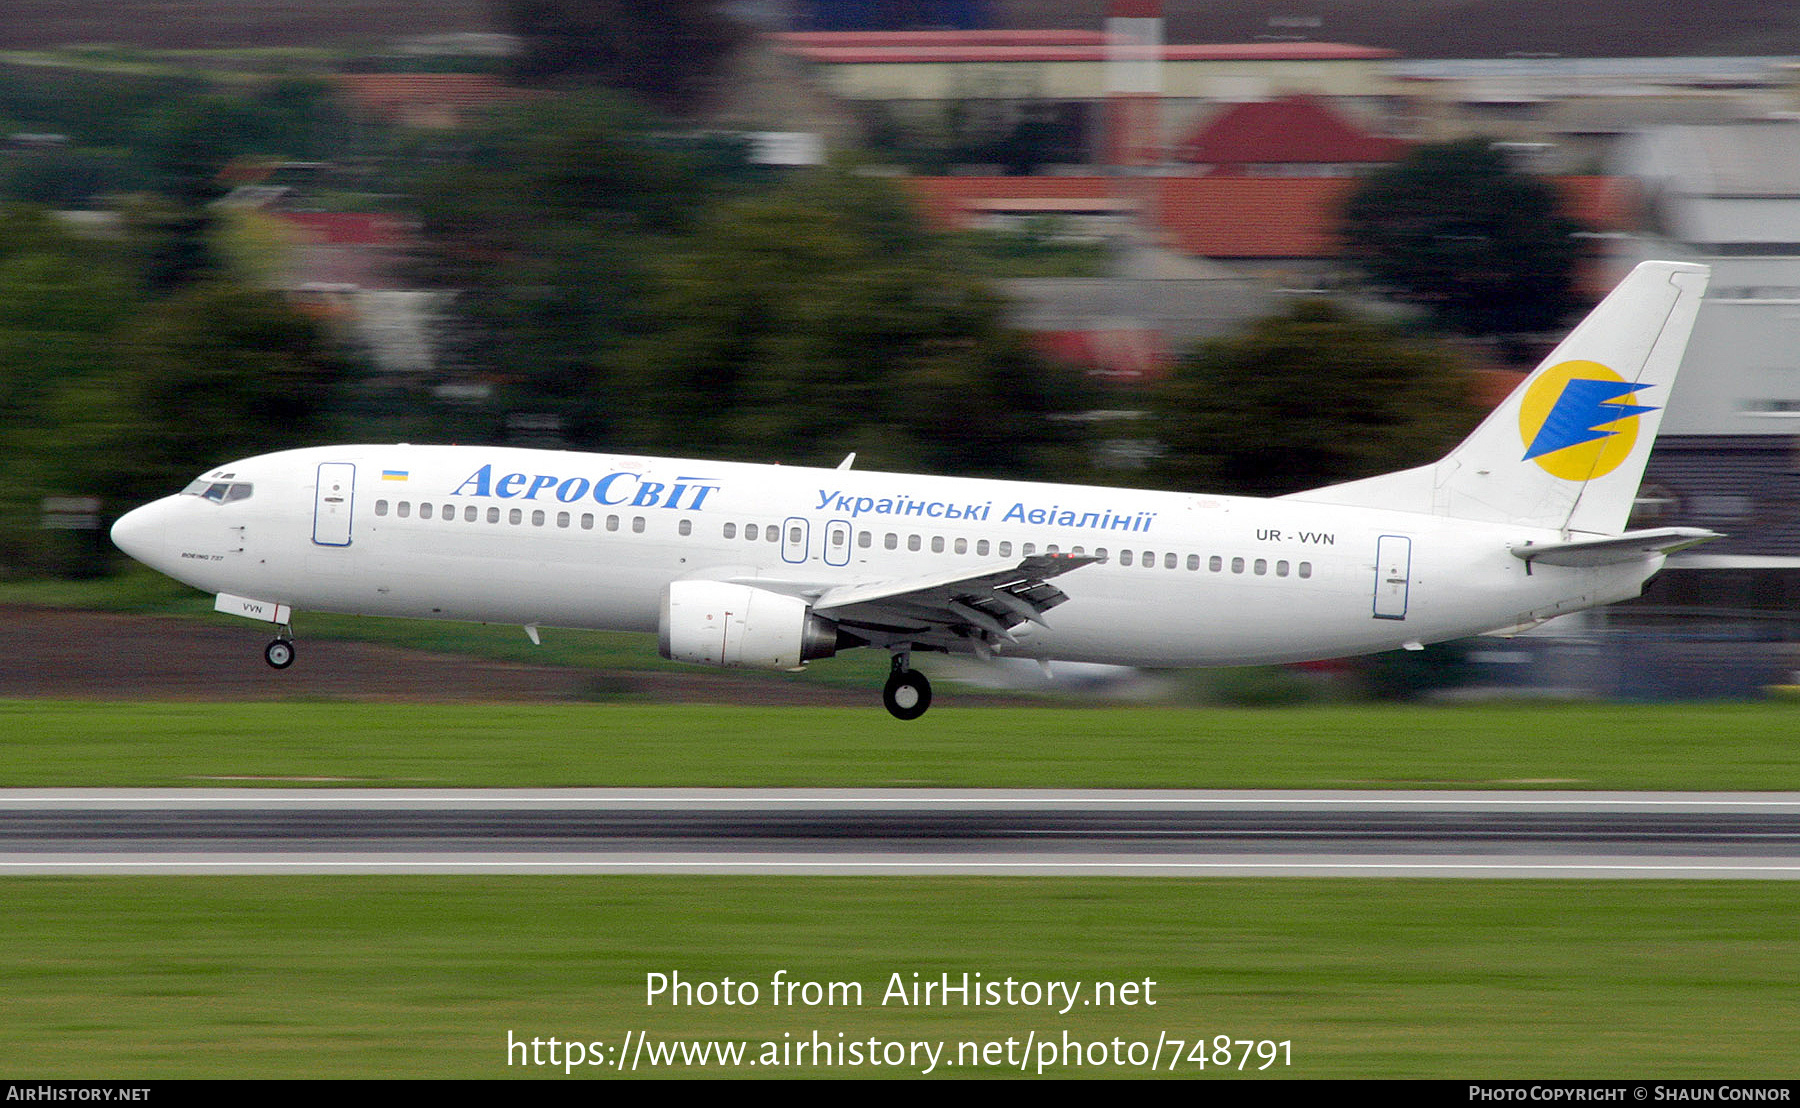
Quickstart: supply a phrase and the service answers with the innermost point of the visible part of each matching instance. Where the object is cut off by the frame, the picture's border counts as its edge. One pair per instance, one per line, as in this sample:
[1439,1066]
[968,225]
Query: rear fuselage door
[1393,572]
[332,503]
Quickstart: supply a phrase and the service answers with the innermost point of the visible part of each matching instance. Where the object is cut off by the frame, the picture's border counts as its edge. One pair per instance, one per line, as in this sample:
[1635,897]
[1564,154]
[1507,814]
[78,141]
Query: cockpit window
[219,492]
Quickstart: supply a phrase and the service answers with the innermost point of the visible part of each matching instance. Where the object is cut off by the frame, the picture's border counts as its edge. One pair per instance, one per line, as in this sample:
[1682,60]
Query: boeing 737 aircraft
[773,566]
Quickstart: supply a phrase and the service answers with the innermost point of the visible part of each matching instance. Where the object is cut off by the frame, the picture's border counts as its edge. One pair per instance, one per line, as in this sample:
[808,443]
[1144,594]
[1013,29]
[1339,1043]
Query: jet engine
[715,623]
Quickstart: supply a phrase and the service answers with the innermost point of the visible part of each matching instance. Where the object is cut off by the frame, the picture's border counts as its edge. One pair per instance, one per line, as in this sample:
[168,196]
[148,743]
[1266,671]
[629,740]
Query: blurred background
[1241,247]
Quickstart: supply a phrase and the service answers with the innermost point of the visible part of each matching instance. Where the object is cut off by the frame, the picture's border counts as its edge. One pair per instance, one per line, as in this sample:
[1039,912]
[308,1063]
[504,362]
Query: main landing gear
[280,653]
[907,693]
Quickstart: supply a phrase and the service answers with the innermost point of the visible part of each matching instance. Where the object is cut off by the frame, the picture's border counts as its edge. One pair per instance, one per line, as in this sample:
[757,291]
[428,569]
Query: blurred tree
[1455,229]
[127,132]
[821,318]
[670,54]
[1307,398]
[185,144]
[545,223]
[650,295]
[214,372]
[63,300]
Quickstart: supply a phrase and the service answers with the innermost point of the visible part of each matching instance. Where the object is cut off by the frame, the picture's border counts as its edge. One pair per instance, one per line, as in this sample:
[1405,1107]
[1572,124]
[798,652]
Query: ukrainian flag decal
[394,474]
[1579,420]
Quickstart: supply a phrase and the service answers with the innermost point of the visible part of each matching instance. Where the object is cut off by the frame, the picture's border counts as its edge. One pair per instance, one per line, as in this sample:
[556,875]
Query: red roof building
[1294,136]
[1214,217]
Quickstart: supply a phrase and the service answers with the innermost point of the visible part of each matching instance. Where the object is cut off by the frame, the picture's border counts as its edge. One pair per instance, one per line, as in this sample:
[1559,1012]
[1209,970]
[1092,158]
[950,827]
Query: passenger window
[773,533]
[637,524]
[752,532]
[1281,569]
[686,527]
[493,515]
[562,519]
[1262,566]
[1215,563]
[1149,559]
[448,512]
[912,542]
[864,539]
[516,516]
[425,510]
[612,523]
[1237,565]
[981,547]
[381,507]
[1006,550]
[731,530]
[537,517]
[1028,549]
[1124,557]
[1306,569]
[1193,561]
[403,509]
[587,521]
[937,544]
[471,513]
[794,535]
[962,546]
[1169,560]
[892,542]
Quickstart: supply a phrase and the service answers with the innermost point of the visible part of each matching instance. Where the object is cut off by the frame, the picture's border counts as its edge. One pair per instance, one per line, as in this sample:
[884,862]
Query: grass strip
[1587,746]
[426,977]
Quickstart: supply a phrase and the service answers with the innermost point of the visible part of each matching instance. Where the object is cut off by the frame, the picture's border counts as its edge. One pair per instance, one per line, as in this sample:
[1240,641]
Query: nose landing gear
[280,652]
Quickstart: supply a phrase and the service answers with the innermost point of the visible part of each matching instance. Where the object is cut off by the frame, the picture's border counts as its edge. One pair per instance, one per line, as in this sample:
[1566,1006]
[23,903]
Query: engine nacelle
[714,623]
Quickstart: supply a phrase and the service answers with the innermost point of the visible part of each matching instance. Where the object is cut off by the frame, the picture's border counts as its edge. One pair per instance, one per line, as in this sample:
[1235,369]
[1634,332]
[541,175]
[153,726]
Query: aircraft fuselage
[591,541]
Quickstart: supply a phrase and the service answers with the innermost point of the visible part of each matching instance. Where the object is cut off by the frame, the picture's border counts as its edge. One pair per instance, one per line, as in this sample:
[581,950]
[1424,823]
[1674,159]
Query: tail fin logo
[1579,420]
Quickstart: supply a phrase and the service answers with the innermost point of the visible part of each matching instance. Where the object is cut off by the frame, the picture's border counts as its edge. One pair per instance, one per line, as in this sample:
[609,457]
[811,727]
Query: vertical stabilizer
[1567,449]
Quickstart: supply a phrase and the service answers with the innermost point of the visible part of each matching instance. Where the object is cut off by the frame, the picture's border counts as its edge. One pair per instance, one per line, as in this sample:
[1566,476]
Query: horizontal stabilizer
[1629,547]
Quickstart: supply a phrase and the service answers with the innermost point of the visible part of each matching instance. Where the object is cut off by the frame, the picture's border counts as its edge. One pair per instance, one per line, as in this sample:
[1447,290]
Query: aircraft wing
[971,608]
[1630,546]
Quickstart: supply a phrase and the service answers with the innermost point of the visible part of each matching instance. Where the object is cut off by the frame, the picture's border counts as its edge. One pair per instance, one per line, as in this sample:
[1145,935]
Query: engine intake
[714,623]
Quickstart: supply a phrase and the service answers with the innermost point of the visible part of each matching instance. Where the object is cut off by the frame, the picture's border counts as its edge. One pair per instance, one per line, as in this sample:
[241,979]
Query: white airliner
[772,566]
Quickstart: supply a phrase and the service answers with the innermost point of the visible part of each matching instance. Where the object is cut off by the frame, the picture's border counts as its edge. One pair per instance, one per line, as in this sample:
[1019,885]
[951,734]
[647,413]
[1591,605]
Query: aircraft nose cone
[139,532]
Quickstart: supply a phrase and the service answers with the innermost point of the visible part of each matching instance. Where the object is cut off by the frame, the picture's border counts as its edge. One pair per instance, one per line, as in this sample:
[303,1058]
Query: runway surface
[901,832]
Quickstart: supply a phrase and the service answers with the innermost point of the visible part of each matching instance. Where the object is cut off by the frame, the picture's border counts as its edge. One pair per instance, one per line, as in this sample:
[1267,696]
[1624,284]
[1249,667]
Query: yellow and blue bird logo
[1579,420]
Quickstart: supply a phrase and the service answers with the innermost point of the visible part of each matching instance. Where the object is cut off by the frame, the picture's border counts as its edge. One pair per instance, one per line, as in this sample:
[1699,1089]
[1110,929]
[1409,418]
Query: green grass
[1587,746]
[136,589]
[419,977]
